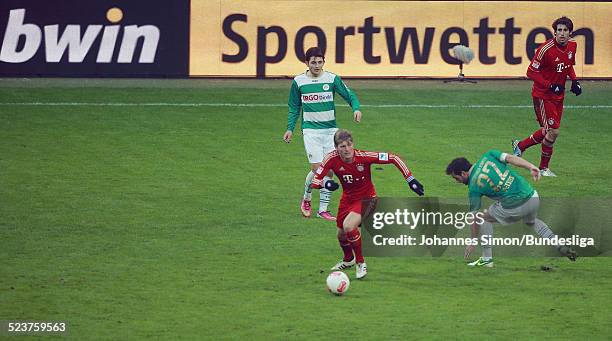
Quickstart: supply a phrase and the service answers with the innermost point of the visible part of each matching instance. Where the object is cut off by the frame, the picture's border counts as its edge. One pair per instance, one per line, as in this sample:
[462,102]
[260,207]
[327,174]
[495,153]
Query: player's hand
[287,136]
[557,89]
[357,116]
[416,186]
[468,251]
[576,88]
[331,185]
[535,173]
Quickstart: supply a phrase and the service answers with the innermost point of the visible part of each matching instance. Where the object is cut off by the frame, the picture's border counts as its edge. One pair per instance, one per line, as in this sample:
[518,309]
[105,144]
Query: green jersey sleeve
[475,201]
[494,178]
[295,104]
[346,93]
[496,154]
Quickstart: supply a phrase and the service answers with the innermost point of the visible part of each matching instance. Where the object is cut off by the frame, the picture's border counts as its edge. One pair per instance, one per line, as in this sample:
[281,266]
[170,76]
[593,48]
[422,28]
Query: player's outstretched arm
[414,184]
[383,158]
[329,185]
[474,231]
[520,162]
[319,179]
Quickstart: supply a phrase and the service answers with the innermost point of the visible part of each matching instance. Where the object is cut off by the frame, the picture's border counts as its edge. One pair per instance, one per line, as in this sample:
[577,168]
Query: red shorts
[548,112]
[346,207]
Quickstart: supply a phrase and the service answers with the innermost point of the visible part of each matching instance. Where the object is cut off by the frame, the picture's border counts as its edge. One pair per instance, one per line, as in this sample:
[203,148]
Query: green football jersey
[492,177]
[315,98]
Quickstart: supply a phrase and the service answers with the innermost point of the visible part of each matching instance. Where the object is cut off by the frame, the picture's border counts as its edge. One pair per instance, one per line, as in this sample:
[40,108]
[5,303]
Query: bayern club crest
[360,167]
[570,54]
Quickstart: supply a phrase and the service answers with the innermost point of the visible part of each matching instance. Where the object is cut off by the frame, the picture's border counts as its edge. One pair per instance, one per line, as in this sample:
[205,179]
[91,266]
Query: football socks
[307,189]
[535,138]
[547,151]
[354,237]
[324,197]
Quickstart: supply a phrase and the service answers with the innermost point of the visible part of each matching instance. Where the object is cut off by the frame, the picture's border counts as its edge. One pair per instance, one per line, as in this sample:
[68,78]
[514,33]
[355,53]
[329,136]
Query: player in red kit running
[553,62]
[352,167]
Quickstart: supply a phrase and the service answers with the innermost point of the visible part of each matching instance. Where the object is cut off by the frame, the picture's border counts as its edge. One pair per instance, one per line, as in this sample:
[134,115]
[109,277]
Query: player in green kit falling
[515,199]
[312,94]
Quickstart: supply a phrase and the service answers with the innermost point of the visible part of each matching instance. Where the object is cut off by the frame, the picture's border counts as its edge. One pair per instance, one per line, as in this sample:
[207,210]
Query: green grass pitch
[180,221]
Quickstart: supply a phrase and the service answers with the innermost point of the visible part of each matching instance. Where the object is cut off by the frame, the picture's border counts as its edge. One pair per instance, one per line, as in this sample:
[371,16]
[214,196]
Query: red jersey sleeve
[572,73]
[323,169]
[537,77]
[386,158]
[572,46]
[538,58]
[538,63]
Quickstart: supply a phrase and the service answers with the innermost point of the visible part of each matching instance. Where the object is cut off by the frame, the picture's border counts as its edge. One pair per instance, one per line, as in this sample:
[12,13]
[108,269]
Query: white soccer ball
[338,283]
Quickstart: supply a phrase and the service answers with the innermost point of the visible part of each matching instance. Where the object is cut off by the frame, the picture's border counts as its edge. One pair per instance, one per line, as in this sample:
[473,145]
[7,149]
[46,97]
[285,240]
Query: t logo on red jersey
[560,67]
[348,178]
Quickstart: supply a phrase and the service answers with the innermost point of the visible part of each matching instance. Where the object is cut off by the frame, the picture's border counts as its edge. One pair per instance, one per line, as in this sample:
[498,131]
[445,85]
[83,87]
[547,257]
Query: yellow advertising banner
[390,38]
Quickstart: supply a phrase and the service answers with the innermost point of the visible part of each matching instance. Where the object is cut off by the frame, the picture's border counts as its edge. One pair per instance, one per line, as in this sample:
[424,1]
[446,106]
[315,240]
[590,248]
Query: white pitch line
[468,106]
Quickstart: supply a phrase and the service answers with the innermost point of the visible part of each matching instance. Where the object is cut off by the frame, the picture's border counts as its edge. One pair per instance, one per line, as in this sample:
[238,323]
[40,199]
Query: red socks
[536,138]
[547,151]
[354,238]
[347,249]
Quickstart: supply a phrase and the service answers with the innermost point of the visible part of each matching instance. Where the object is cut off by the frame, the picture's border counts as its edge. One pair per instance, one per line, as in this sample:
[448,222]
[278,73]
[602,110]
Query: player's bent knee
[314,166]
[348,226]
[553,134]
[351,222]
[488,218]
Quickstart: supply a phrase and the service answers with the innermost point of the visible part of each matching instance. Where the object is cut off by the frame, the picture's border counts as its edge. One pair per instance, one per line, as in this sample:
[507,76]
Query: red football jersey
[355,177]
[553,61]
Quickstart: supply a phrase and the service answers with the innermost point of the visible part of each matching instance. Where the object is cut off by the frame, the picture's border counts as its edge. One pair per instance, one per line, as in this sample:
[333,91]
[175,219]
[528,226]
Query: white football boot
[547,172]
[481,262]
[342,265]
[362,270]
[515,148]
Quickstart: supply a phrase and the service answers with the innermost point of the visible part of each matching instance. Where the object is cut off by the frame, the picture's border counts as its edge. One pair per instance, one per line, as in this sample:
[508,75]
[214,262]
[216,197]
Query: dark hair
[564,21]
[313,52]
[341,136]
[458,165]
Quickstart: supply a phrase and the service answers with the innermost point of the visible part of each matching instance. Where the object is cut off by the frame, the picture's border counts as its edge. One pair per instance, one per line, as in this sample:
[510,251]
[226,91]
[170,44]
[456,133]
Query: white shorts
[527,212]
[318,144]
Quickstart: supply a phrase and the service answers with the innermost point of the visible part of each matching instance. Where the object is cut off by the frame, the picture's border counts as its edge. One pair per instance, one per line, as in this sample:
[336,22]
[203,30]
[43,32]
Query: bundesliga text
[524,240]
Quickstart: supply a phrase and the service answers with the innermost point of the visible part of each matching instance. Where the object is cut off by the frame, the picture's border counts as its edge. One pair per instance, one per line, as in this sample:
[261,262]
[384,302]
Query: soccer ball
[338,283]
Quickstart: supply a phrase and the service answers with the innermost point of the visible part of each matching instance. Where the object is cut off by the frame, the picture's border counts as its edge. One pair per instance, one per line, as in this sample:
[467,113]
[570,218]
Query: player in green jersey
[515,199]
[312,94]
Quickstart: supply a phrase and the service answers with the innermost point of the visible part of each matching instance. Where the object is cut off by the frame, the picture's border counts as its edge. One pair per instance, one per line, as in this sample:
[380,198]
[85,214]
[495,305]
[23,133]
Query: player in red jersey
[553,62]
[352,167]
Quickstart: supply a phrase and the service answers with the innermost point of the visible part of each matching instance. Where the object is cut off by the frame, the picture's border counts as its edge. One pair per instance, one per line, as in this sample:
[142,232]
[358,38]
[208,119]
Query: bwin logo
[77,46]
